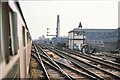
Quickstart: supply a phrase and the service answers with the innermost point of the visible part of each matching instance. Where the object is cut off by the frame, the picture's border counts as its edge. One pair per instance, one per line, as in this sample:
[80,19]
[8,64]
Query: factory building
[101,39]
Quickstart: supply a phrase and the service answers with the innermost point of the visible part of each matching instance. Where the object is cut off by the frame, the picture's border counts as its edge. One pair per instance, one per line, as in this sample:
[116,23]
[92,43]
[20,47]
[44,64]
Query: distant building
[60,41]
[101,39]
[76,39]
[43,40]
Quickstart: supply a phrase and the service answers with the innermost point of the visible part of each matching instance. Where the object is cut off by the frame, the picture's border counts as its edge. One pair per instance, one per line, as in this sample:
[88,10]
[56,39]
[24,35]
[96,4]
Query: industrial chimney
[58,27]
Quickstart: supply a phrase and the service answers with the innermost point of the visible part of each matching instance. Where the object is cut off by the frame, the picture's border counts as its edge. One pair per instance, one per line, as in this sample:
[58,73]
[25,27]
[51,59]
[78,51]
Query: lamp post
[49,32]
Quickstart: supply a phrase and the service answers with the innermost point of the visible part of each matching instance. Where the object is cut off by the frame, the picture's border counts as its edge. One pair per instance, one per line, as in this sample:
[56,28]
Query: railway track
[52,71]
[111,64]
[99,71]
[70,73]
[90,57]
[114,65]
[49,71]
[108,65]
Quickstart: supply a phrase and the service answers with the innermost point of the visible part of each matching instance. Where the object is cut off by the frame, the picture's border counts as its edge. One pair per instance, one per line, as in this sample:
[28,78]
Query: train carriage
[15,42]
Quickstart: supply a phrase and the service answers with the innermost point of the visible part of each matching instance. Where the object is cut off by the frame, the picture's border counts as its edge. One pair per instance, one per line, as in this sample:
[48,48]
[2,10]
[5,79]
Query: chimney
[58,27]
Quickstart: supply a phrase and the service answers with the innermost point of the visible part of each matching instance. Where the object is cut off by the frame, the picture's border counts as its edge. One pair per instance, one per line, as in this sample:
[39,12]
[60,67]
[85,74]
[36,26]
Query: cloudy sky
[41,15]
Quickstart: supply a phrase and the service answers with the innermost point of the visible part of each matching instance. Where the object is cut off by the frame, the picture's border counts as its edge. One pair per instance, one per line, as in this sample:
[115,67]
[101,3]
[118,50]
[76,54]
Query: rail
[73,58]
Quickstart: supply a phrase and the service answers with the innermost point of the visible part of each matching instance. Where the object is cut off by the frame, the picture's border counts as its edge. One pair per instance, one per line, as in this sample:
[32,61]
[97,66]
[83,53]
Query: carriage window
[5,31]
[13,31]
[23,35]
[10,46]
[27,37]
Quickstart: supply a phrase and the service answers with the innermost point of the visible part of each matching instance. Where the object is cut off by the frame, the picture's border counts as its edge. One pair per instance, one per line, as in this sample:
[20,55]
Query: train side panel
[15,42]
[21,51]
[28,52]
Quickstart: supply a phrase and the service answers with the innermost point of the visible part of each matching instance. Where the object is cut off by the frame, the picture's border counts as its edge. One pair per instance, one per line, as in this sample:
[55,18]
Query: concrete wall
[70,37]
[75,41]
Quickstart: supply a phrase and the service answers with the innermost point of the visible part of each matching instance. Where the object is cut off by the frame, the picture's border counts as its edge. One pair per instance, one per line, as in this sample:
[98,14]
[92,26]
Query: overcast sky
[92,14]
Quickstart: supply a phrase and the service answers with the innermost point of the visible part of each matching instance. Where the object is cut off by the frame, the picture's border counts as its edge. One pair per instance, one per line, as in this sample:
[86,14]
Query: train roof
[21,13]
[18,5]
